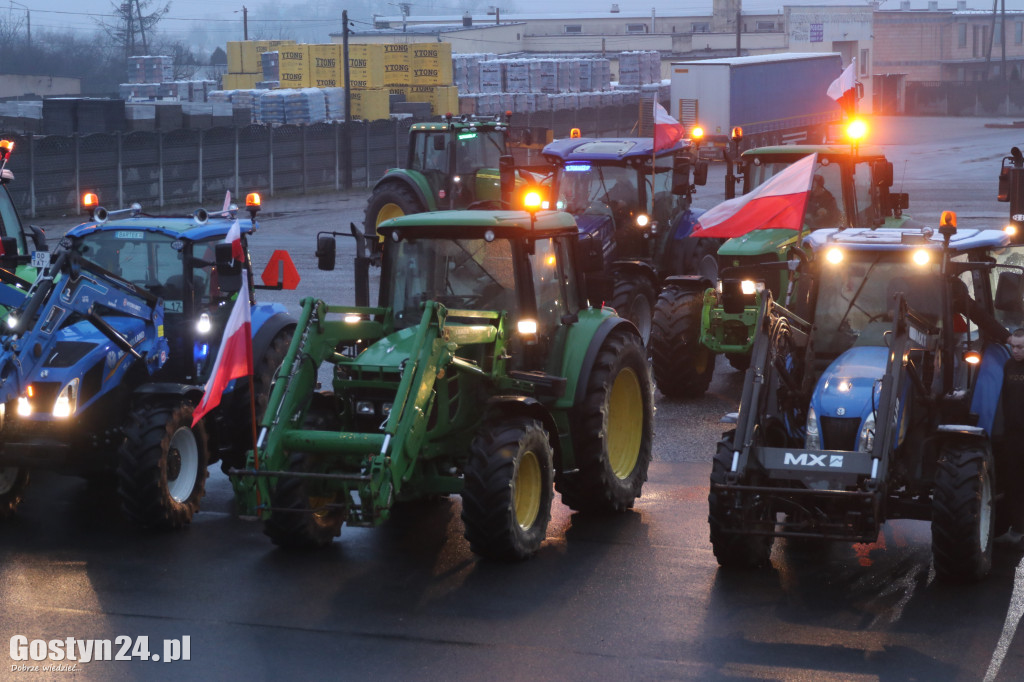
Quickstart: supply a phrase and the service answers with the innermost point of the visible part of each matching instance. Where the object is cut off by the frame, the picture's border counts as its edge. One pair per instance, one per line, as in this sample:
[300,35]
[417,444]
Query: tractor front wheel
[390,200]
[683,366]
[506,502]
[612,429]
[633,299]
[305,515]
[13,481]
[963,512]
[162,466]
[733,550]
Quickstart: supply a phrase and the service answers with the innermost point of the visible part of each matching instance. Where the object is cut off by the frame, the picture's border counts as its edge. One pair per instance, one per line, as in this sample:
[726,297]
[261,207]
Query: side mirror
[1010,292]
[681,175]
[700,173]
[229,270]
[507,171]
[38,237]
[882,172]
[326,250]
[898,201]
[1004,184]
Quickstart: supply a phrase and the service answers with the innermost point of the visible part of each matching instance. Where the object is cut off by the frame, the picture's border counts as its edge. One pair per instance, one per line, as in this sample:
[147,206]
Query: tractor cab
[17,240]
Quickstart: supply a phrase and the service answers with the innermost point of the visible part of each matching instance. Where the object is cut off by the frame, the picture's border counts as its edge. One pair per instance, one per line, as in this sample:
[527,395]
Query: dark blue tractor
[636,203]
[105,358]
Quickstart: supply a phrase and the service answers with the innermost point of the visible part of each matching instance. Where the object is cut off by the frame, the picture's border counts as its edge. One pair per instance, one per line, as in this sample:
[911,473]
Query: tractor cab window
[430,152]
[548,264]
[592,189]
[665,206]
[854,294]
[1010,309]
[471,274]
[825,200]
[866,196]
[9,223]
[478,149]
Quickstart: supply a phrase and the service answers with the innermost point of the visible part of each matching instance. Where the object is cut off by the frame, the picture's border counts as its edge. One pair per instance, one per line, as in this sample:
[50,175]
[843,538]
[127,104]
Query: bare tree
[133,26]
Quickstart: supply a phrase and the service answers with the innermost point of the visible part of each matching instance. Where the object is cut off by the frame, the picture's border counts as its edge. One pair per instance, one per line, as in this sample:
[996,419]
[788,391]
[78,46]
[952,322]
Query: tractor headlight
[67,400]
[527,326]
[365,407]
[203,326]
[834,255]
[643,220]
[866,439]
[12,321]
[813,439]
[24,407]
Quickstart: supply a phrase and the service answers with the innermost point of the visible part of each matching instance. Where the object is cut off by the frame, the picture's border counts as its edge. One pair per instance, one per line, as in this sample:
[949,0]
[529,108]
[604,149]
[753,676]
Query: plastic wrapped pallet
[270,109]
[397,64]
[325,66]
[467,103]
[365,66]
[305,106]
[517,75]
[334,100]
[295,66]
[271,65]
[492,76]
[466,72]
[431,64]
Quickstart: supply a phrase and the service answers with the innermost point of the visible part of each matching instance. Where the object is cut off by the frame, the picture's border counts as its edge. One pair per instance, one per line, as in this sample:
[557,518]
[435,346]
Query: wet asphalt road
[636,596]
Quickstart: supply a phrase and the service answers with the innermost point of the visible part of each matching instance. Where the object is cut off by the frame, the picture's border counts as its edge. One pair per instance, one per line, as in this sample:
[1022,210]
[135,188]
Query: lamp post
[28,19]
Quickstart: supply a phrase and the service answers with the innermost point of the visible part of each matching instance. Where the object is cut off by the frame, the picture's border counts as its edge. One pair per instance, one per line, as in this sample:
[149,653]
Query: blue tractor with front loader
[873,395]
[105,356]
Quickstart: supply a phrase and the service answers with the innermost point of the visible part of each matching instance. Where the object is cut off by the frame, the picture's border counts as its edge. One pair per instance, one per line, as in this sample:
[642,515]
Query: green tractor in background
[484,371]
[17,242]
[451,164]
[858,179]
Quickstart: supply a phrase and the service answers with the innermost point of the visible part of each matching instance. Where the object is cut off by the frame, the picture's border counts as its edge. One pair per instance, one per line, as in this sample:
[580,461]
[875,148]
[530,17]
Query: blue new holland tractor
[104,358]
[874,395]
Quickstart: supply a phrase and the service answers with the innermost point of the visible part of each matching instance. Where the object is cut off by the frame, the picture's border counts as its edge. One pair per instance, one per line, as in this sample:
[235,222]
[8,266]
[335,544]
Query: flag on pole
[667,130]
[844,88]
[234,237]
[778,203]
[234,357]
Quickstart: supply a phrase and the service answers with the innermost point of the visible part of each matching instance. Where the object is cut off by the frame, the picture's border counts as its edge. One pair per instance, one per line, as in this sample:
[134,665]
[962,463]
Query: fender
[690,282]
[637,267]
[582,344]
[193,392]
[510,404]
[988,387]
[267,320]
[413,181]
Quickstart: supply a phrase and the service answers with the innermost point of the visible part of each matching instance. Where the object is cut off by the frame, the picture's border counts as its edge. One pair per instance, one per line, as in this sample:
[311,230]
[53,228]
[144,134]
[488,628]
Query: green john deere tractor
[858,179]
[483,372]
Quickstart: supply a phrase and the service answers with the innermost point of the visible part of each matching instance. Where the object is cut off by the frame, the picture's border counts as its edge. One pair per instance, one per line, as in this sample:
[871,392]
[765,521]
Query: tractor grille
[44,395]
[839,433]
[772,281]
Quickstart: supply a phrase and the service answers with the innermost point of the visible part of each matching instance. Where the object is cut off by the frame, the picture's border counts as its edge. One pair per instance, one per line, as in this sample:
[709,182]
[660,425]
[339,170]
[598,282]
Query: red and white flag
[667,130]
[778,203]
[234,238]
[234,357]
[844,88]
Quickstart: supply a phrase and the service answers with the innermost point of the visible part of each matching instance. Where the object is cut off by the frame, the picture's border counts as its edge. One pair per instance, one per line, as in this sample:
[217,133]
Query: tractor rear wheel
[389,200]
[13,481]
[506,502]
[732,549]
[304,515]
[633,299]
[683,366]
[963,512]
[612,429]
[162,466]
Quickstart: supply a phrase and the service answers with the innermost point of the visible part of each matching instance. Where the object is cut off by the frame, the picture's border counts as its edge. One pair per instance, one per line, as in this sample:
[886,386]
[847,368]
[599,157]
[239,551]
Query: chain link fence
[196,167]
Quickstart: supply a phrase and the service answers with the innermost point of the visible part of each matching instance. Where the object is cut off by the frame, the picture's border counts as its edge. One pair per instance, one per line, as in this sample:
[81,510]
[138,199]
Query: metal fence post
[78,179]
[305,164]
[32,175]
[160,161]
[120,170]
[366,150]
[337,158]
[200,166]
[236,161]
[270,159]
[395,131]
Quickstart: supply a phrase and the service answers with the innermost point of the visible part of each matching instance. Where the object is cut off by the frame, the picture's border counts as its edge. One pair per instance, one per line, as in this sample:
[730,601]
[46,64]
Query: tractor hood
[846,398]
[391,351]
[758,242]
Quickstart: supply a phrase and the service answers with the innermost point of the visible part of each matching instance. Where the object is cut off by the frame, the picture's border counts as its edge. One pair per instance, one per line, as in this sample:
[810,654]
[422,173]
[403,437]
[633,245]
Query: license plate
[40,259]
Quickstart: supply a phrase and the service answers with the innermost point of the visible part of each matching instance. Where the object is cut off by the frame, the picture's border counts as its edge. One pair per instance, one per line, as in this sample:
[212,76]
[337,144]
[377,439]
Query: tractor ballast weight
[483,373]
[104,360]
[859,405]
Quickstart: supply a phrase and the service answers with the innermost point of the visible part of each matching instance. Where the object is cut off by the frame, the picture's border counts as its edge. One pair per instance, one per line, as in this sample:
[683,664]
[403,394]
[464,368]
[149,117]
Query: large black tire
[683,366]
[162,465]
[963,512]
[301,518]
[13,481]
[389,200]
[633,298]
[732,550]
[612,429]
[506,502]
[264,370]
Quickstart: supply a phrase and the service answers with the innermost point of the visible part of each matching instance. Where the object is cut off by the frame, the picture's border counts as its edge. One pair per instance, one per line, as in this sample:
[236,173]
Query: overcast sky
[217,21]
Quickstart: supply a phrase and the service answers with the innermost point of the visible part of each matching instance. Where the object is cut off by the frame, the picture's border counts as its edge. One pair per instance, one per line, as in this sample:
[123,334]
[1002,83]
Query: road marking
[1013,617]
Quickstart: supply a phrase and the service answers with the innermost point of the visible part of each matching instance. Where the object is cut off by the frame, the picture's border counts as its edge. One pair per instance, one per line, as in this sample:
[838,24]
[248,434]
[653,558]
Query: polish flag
[844,88]
[778,203]
[234,357]
[235,239]
[667,130]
